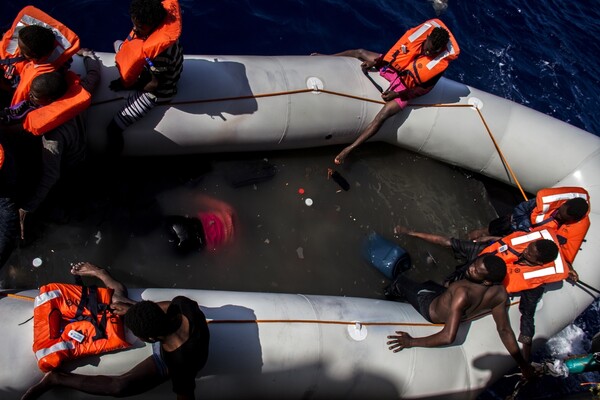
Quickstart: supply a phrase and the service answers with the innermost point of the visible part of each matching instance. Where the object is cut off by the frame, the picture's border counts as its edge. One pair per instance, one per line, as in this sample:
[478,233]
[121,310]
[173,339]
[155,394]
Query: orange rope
[18,296]
[308,90]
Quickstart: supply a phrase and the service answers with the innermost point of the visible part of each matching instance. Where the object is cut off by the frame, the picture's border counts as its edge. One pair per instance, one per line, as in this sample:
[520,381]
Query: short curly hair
[577,208]
[547,250]
[147,320]
[147,12]
[39,40]
[496,268]
[439,38]
[51,85]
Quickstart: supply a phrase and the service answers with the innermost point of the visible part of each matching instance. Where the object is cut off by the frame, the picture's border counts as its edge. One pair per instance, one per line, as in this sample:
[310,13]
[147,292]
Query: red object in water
[301,191]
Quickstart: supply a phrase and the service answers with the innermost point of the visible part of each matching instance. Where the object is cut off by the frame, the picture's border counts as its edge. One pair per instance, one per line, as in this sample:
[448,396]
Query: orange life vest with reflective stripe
[65,46]
[521,277]
[413,67]
[51,116]
[57,336]
[131,57]
[547,202]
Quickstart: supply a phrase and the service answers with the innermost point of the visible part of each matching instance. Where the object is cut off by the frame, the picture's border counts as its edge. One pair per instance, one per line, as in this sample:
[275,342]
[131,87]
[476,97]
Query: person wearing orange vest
[177,329]
[532,260]
[53,111]
[412,66]
[564,209]
[150,61]
[35,44]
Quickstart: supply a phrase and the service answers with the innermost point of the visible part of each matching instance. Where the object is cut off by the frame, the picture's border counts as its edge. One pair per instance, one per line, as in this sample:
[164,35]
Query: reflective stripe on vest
[27,20]
[60,346]
[558,267]
[548,200]
[46,297]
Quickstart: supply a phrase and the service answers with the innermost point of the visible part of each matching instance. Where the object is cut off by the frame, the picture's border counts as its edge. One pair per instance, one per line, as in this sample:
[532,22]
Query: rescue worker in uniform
[412,66]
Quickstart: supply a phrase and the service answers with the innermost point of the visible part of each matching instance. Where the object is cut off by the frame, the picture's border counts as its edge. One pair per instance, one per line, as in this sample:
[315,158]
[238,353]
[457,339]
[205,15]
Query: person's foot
[339,159]
[41,387]
[85,269]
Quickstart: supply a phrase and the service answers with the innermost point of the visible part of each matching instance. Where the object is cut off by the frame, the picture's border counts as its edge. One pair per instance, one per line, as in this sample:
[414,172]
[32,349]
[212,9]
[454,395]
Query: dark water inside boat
[538,53]
[281,244]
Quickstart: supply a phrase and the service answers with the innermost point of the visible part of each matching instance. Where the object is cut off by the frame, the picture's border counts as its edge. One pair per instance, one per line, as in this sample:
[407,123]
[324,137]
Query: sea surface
[542,54]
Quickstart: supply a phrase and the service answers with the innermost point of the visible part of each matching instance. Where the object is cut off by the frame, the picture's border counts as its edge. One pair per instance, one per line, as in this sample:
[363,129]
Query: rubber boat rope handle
[317,90]
[296,321]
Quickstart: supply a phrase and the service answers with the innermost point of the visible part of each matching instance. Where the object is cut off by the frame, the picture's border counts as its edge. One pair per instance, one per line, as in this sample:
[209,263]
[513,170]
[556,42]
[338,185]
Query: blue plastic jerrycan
[387,257]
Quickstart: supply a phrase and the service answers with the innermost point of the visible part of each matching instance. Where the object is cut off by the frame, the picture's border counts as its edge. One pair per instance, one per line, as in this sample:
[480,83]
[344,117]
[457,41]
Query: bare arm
[500,314]
[87,269]
[446,336]
[428,237]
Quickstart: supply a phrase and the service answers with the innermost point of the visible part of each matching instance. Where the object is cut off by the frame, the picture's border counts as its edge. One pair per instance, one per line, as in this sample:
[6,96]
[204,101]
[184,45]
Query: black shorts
[419,295]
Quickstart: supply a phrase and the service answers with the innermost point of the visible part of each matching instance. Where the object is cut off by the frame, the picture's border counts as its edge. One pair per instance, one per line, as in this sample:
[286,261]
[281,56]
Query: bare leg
[140,379]
[91,270]
[361,54]
[389,109]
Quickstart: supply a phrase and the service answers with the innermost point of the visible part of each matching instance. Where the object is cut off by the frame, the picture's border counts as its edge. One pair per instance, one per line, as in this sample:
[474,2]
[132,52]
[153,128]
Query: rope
[18,296]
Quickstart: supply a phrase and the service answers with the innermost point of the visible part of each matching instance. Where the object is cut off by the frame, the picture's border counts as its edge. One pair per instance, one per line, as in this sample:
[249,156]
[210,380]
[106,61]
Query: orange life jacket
[64,329]
[1,156]
[51,116]
[65,46]
[134,52]
[547,202]
[413,67]
[521,277]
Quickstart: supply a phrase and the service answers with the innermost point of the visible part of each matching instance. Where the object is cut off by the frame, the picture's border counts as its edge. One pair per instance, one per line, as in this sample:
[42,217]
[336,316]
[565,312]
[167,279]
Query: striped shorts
[138,105]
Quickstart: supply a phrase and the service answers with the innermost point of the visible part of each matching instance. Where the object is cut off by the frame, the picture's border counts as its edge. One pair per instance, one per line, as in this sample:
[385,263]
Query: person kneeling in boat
[177,329]
[564,209]
[149,61]
[532,259]
[480,291]
[412,66]
[53,110]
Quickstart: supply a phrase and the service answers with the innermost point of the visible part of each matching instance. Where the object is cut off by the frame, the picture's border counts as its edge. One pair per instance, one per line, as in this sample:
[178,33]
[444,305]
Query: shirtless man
[479,292]
[178,330]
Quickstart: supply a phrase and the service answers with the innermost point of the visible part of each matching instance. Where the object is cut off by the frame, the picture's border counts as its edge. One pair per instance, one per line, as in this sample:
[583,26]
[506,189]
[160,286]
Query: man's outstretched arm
[500,314]
[446,336]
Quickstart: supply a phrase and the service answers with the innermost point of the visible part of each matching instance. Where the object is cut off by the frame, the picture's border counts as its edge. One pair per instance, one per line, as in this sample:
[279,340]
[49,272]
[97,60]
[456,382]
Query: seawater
[538,53]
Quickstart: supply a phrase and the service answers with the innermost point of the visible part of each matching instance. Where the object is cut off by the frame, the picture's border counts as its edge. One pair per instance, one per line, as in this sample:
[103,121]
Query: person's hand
[401,230]
[529,372]
[85,52]
[573,275]
[119,308]
[389,95]
[22,216]
[400,341]
[366,65]
[116,85]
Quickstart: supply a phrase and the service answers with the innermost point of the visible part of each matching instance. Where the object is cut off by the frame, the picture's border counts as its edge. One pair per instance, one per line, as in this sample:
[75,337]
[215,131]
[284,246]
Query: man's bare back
[478,299]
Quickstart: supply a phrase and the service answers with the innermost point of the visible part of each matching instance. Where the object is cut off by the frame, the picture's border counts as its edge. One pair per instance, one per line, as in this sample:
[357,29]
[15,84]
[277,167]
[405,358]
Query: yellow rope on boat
[334,93]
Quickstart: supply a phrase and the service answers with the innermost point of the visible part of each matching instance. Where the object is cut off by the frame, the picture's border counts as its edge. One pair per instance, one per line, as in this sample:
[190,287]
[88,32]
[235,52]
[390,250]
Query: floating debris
[300,252]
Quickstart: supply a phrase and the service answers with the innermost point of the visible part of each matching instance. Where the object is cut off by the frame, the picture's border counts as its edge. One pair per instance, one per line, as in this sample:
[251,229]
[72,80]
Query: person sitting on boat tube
[179,334]
[480,291]
[564,209]
[533,260]
[150,61]
[412,66]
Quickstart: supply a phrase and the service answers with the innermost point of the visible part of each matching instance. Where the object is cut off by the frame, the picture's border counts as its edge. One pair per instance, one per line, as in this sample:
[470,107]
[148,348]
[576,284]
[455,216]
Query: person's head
[487,269]
[36,42]
[148,321]
[540,252]
[146,16]
[46,88]
[572,210]
[436,42]
[185,234]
